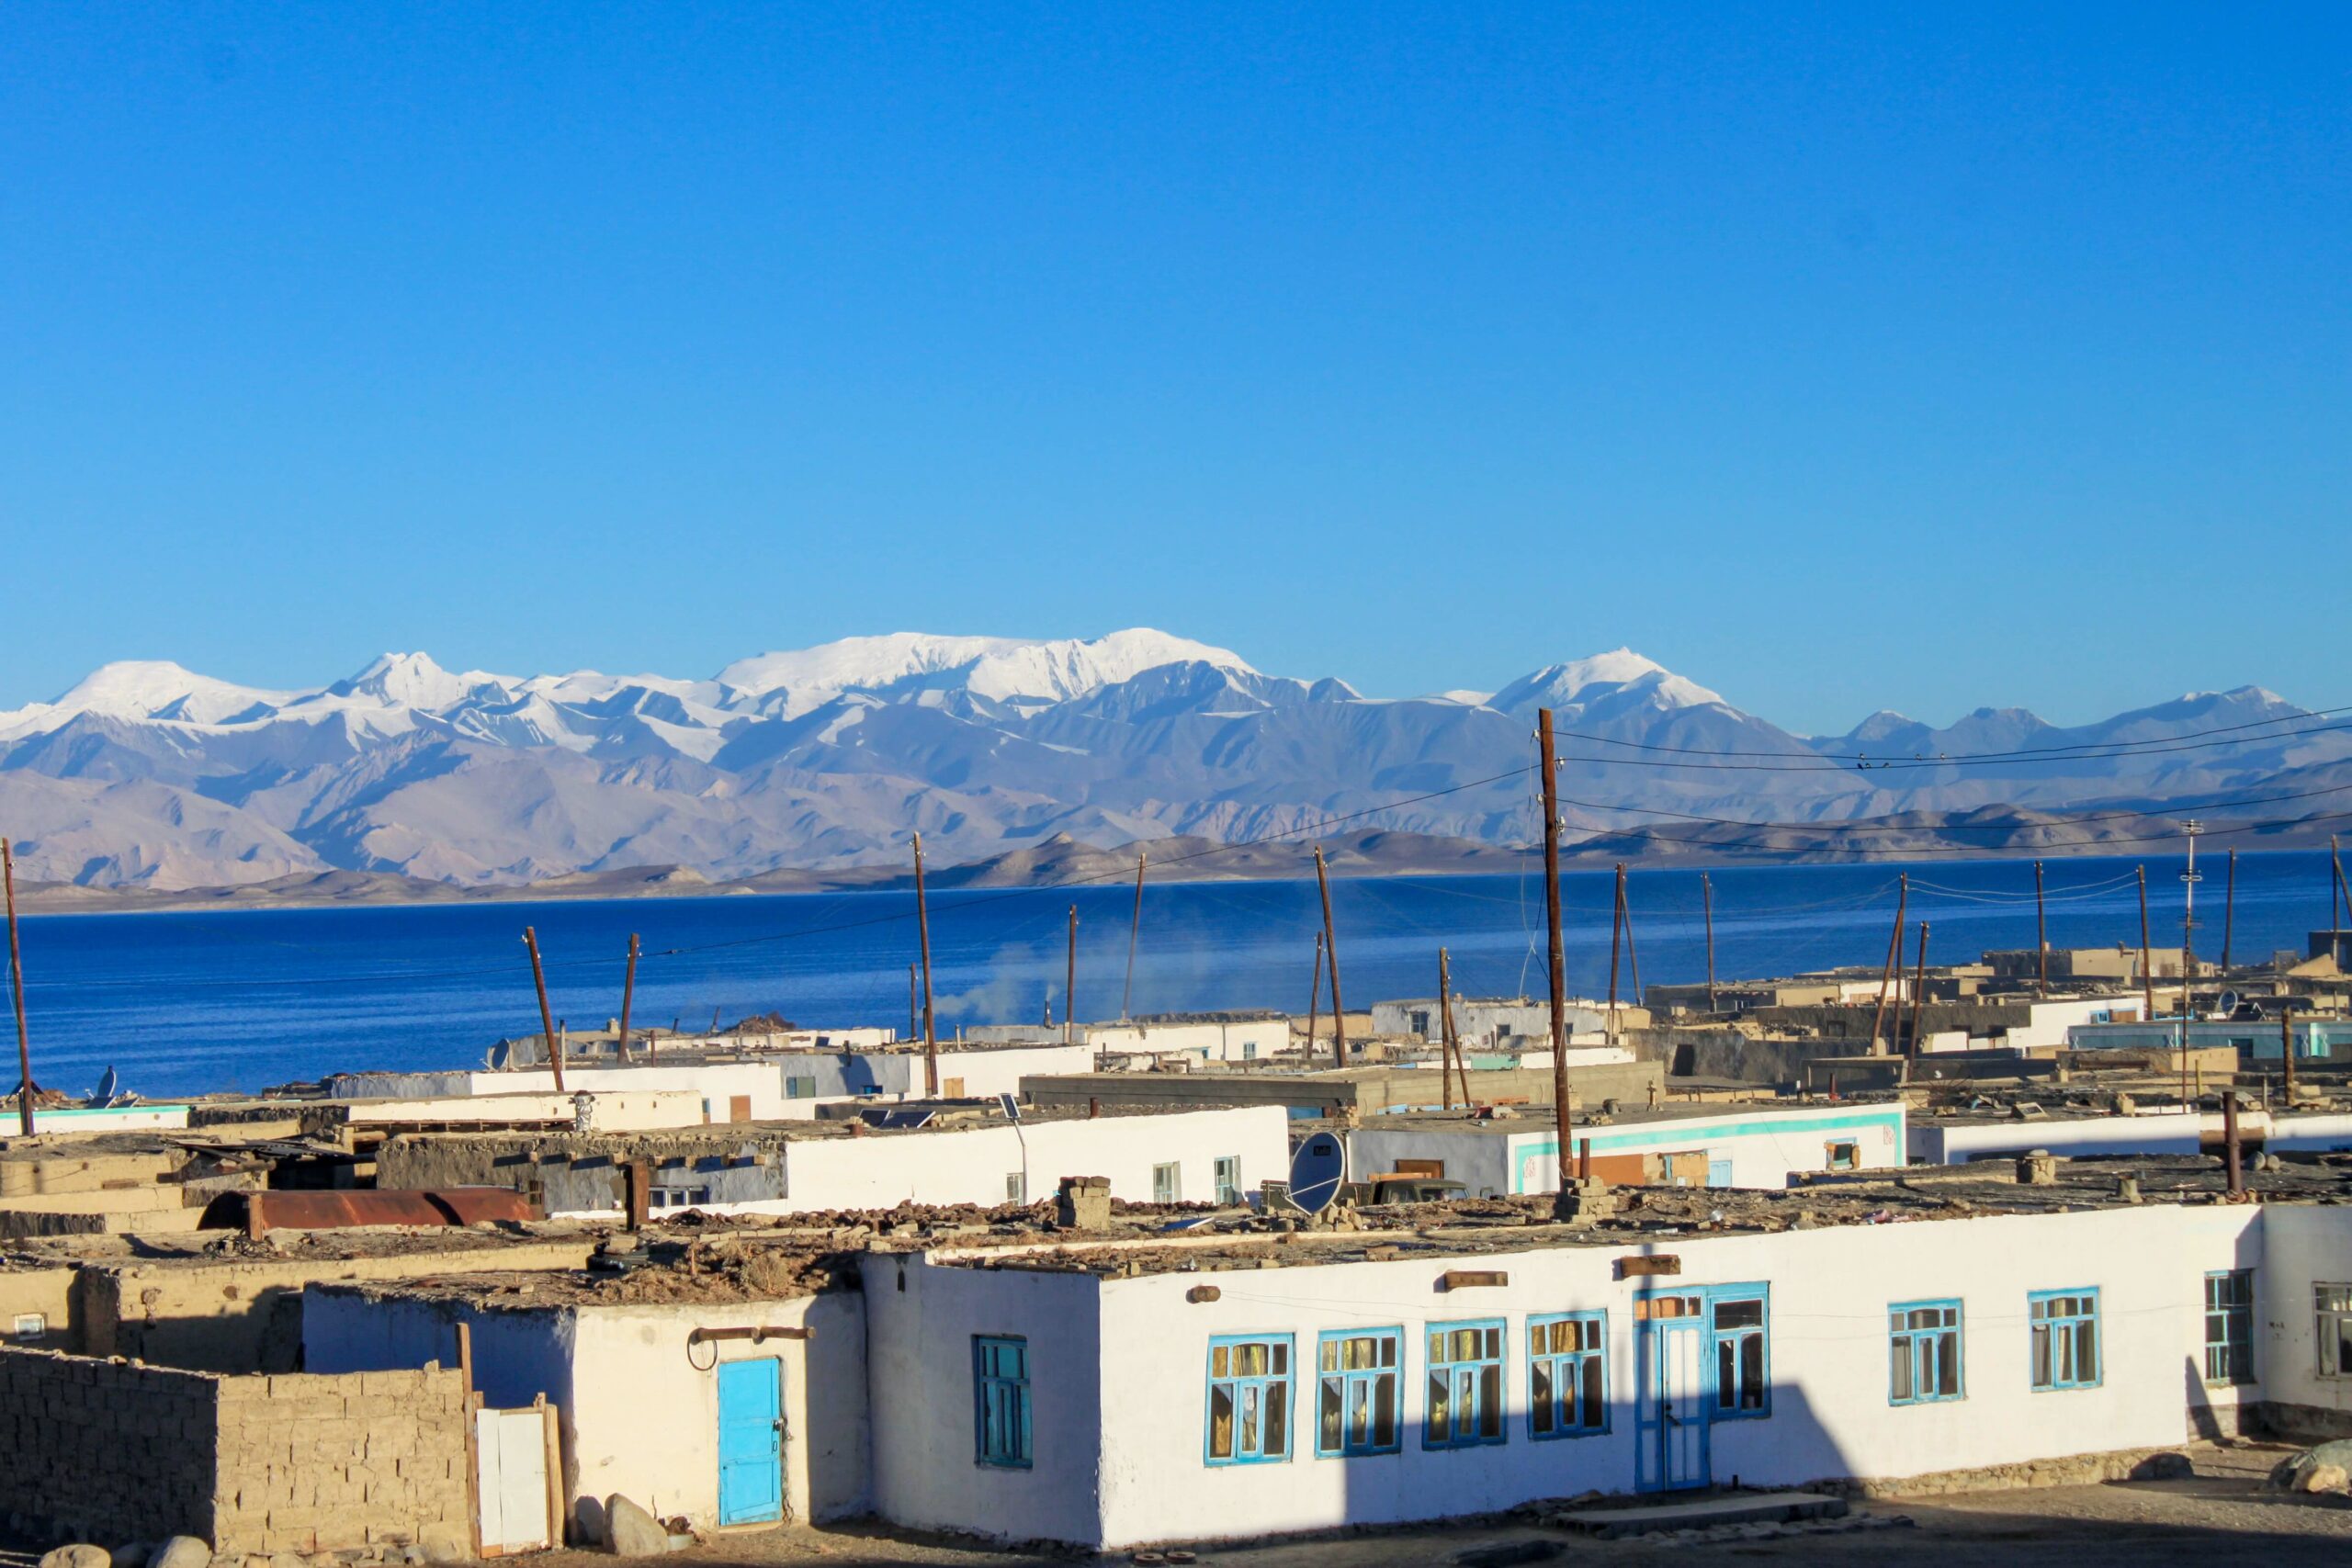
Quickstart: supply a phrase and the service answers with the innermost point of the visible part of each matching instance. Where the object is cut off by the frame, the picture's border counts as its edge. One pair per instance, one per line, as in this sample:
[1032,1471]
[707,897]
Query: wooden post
[2041,938]
[1331,956]
[2342,890]
[1444,1029]
[1549,765]
[1632,951]
[2287,1051]
[2147,969]
[2231,1161]
[922,935]
[1069,982]
[1616,941]
[1918,989]
[628,993]
[1314,994]
[547,1019]
[2228,912]
[1893,962]
[16,993]
[1134,931]
[1707,902]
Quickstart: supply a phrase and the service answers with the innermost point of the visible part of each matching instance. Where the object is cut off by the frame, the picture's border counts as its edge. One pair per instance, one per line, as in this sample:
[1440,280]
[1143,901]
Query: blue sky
[1836,357]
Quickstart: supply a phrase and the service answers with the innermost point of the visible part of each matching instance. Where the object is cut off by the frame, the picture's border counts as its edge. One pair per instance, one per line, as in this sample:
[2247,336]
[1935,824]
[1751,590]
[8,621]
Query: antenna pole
[914,1006]
[2189,881]
[2041,938]
[1444,1028]
[2228,912]
[1548,763]
[1632,953]
[1331,956]
[1893,962]
[2147,970]
[1070,981]
[1707,902]
[1315,996]
[1918,989]
[1135,929]
[547,1019]
[628,993]
[923,932]
[2342,890]
[17,992]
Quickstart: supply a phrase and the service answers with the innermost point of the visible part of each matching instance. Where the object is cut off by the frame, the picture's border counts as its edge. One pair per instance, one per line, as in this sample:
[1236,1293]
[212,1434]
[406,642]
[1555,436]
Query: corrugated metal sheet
[256,1211]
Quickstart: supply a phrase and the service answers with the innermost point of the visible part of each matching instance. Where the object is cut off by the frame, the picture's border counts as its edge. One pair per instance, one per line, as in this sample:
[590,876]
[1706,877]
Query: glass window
[1360,1393]
[1922,1352]
[1567,1375]
[2229,1327]
[1742,1364]
[2065,1338]
[1167,1183]
[2334,1303]
[1466,1385]
[1248,1399]
[1228,1178]
[1842,1154]
[1000,1401]
[1016,1186]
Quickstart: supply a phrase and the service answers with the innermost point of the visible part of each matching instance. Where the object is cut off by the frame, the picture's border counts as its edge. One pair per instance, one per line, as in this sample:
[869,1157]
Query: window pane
[2040,1356]
[1726,1375]
[1249,1441]
[1327,1417]
[1465,1396]
[1437,1407]
[1540,1397]
[1739,1314]
[1221,1421]
[1330,1355]
[1388,1349]
[1751,1372]
[1277,1419]
[1592,1417]
[1948,1365]
[1218,1362]
[1281,1358]
[1359,1411]
[1490,1402]
[1901,1365]
[2086,1351]
[1384,1411]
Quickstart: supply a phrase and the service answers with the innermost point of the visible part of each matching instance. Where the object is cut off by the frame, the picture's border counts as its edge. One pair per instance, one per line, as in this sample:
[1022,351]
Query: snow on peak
[1583,681]
[993,666]
[412,680]
[159,689]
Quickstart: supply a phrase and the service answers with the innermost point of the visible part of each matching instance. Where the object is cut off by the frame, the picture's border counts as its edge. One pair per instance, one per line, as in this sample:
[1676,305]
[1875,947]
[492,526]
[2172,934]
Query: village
[1705,1263]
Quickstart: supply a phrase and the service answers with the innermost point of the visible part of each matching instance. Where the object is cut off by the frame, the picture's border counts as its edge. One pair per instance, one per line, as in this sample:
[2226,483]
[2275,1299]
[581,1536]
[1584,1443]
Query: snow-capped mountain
[149,773]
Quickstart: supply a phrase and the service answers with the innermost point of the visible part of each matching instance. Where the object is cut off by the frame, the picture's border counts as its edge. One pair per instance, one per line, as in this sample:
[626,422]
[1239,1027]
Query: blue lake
[183,1003]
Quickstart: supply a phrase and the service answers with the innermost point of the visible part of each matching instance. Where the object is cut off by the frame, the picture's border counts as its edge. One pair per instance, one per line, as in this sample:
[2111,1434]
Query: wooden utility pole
[628,993]
[2147,969]
[914,1004]
[1616,941]
[1549,766]
[922,937]
[16,993]
[1331,956]
[2041,938]
[2287,1051]
[1135,929]
[1918,990]
[1453,1035]
[1707,902]
[1632,950]
[1893,962]
[1070,981]
[2342,890]
[2228,915]
[547,1019]
[1315,996]
[1444,1028]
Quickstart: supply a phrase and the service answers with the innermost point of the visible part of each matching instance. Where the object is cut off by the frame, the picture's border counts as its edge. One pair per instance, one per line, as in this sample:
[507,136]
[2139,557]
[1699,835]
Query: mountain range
[152,776]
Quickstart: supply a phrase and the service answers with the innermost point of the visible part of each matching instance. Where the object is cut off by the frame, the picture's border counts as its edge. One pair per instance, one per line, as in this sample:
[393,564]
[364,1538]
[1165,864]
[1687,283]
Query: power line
[1959,827]
[1989,852]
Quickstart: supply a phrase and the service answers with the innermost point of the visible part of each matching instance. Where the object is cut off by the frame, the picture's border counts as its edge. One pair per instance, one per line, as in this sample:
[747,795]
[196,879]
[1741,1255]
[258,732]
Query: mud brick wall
[105,1451]
[110,1450]
[313,1462]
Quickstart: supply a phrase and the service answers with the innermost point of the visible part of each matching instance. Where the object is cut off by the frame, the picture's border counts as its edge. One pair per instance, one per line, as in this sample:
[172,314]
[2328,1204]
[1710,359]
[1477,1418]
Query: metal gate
[514,1479]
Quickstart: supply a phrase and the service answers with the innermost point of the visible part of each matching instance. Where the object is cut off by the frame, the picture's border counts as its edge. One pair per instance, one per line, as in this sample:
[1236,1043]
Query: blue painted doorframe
[750,1441]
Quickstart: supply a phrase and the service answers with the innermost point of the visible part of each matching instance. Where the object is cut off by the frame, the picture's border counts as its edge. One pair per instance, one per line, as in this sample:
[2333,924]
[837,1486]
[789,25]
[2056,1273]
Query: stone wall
[311,1463]
[110,1450]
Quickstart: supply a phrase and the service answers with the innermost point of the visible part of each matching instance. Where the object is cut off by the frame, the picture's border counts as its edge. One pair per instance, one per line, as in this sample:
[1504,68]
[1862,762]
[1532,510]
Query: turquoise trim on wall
[1700,1132]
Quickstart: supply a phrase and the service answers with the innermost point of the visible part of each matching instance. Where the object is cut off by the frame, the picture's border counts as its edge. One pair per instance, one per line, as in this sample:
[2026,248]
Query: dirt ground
[2218,1516]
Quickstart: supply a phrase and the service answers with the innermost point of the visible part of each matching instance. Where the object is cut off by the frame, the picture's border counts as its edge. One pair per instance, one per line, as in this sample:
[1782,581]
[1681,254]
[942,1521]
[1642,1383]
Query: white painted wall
[969,1165]
[639,1412]
[2155,1132]
[1248,1040]
[609,1110]
[74,1119]
[1830,1292]
[1765,1147]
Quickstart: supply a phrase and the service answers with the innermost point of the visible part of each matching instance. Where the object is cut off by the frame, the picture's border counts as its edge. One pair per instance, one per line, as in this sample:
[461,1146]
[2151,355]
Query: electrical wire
[2112,748]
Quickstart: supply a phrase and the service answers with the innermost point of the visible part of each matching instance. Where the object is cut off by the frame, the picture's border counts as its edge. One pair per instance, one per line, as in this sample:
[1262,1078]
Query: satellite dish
[499,1055]
[2229,1004]
[1316,1171]
[108,1087]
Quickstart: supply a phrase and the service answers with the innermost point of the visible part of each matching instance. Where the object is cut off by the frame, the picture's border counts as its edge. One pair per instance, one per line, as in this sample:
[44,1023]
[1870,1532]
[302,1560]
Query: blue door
[1670,1405]
[750,1441]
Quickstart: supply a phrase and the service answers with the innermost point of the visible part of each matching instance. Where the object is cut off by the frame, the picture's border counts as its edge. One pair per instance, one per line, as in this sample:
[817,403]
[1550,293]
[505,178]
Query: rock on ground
[181,1552]
[79,1555]
[630,1531]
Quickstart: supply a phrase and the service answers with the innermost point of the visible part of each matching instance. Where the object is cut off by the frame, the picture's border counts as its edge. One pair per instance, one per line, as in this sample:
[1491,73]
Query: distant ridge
[792,767]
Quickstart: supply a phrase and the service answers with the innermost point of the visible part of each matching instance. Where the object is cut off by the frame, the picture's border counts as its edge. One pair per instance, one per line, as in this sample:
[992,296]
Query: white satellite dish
[1316,1171]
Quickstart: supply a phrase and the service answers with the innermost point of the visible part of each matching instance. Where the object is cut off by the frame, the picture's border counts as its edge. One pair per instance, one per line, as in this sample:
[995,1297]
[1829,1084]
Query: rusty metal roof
[255,1213]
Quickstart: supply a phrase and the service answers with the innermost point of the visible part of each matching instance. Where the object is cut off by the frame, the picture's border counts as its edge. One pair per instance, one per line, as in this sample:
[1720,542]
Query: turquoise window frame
[1254,1391]
[1351,1384]
[1568,1369]
[1736,1340]
[1904,1338]
[2041,1325]
[1480,1373]
[2235,1319]
[1001,1419]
